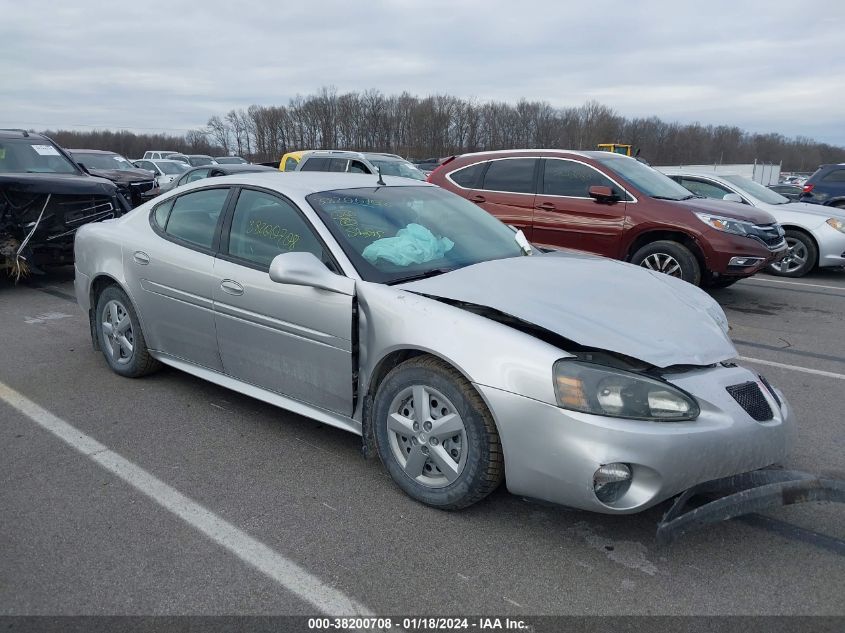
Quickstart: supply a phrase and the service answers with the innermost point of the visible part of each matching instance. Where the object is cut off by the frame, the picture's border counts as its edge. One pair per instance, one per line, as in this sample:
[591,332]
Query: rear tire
[801,259]
[120,337]
[671,258]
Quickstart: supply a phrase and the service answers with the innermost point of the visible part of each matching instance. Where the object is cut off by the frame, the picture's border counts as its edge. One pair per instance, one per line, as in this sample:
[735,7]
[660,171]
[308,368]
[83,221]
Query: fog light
[611,481]
[745,261]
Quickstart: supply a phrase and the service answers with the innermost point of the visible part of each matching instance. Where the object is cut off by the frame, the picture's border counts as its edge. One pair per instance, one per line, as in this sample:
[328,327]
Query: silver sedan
[405,314]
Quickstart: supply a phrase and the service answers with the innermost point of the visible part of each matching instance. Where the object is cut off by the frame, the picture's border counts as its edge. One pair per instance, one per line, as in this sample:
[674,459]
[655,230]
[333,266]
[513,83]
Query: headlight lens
[839,225]
[728,225]
[617,393]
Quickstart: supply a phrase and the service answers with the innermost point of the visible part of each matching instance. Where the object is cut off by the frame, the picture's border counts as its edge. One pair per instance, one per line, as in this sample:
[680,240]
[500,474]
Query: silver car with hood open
[403,313]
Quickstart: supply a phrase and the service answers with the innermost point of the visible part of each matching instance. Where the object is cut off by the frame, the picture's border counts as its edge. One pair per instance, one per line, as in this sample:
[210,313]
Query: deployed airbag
[414,244]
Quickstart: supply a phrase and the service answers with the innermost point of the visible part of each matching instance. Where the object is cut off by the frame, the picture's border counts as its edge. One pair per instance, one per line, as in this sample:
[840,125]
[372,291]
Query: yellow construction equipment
[616,148]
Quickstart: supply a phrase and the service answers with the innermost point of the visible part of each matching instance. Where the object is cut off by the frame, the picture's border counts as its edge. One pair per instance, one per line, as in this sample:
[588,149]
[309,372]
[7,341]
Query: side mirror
[303,269]
[733,197]
[601,193]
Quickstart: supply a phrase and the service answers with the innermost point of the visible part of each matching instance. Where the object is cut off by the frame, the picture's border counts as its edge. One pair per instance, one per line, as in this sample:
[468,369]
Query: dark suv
[826,186]
[44,197]
[616,206]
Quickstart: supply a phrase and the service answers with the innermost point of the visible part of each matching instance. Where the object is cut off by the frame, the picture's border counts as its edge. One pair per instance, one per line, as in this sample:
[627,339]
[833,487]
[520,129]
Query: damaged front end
[39,214]
[744,494]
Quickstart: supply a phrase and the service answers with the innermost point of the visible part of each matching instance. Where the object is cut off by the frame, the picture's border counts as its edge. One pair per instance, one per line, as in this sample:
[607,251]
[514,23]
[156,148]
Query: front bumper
[831,246]
[722,250]
[552,454]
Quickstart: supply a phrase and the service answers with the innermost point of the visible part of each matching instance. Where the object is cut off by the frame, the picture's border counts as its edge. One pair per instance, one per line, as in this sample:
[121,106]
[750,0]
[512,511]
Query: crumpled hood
[59,184]
[596,302]
[123,176]
[728,209]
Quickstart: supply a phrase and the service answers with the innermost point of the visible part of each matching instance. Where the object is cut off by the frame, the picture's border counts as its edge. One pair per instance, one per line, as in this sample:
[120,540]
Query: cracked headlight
[617,393]
[839,225]
[728,225]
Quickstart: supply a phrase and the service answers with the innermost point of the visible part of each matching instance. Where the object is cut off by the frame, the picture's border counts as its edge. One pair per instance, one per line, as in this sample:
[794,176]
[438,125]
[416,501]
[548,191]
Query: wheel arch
[99,283]
[800,229]
[382,367]
[649,236]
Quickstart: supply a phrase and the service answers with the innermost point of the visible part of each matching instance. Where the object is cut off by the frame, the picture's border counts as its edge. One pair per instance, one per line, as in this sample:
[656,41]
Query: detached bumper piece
[744,494]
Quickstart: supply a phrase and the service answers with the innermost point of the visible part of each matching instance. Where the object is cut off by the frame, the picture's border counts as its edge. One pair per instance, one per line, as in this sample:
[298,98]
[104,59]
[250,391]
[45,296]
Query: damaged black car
[136,185]
[44,197]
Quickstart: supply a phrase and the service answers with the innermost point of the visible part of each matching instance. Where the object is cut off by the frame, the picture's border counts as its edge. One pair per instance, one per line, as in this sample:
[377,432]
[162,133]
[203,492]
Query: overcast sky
[767,66]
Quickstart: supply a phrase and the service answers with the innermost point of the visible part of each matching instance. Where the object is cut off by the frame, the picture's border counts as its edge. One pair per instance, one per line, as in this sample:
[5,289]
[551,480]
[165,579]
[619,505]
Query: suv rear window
[514,175]
[837,175]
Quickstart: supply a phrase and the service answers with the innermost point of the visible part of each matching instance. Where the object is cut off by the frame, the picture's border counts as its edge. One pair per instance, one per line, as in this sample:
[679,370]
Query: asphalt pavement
[192,499]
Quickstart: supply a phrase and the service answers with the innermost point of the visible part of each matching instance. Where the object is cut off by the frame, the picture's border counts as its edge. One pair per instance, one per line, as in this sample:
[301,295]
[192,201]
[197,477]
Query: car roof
[232,168]
[692,172]
[161,160]
[15,133]
[93,151]
[548,152]
[304,183]
[383,157]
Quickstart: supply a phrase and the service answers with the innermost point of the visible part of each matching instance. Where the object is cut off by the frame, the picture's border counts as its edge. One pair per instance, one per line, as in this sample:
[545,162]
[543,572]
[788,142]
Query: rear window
[837,175]
[513,175]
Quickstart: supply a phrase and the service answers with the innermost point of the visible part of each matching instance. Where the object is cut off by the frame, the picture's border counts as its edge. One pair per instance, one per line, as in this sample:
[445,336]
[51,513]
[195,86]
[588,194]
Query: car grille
[751,398]
[770,234]
[141,187]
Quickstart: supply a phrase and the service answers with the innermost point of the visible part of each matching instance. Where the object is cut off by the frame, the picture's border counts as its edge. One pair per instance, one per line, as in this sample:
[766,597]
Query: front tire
[670,258]
[800,260]
[435,436]
[120,337]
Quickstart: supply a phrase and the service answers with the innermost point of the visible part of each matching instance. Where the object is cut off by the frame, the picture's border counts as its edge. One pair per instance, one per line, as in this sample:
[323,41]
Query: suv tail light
[439,167]
[808,188]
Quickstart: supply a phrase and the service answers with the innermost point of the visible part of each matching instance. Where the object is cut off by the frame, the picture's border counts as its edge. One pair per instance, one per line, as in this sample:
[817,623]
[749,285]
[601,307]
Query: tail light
[808,188]
[439,167]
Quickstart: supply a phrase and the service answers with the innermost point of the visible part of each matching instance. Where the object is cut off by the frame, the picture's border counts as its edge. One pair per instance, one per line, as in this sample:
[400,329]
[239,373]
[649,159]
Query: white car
[815,234]
[165,171]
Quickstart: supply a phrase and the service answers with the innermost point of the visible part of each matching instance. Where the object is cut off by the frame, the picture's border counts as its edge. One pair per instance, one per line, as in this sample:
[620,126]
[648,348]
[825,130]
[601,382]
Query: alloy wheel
[663,263]
[795,258]
[118,337]
[427,436]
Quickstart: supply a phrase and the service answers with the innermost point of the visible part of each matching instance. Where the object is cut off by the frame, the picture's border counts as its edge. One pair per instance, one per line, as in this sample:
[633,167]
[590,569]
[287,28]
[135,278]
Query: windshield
[27,155]
[756,190]
[102,161]
[394,234]
[198,161]
[171,169]
[398,168]
[650,181]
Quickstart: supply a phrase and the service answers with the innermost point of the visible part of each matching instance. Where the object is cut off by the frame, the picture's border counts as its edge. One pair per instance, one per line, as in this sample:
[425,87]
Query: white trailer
[764,173]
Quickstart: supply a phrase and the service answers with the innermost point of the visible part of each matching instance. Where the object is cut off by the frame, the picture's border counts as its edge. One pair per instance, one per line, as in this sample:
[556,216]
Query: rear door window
[513,175]
[315,164]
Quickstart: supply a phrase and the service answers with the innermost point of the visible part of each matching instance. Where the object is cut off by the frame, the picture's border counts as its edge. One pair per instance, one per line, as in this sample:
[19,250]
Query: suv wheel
[670,258]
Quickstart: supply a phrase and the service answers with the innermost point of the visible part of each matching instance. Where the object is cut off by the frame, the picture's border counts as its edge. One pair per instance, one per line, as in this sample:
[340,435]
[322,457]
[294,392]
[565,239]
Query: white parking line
[251,551]
[796,283]
[805,370]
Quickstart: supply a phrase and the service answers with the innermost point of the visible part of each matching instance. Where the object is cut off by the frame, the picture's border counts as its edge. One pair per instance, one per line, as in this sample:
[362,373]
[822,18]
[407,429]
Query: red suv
[616,206]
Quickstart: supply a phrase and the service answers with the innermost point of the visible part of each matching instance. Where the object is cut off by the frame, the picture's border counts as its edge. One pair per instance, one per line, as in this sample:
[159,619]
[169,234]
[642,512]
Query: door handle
[547,206]
[231,287]
[141,257]
[478,199]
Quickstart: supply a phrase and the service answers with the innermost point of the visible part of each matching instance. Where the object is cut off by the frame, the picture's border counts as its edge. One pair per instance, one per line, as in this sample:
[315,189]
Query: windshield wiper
[670,198]
[424,275]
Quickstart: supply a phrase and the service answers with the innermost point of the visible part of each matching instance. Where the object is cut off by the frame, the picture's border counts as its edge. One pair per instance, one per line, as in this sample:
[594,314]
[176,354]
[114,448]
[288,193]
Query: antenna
[380,180]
